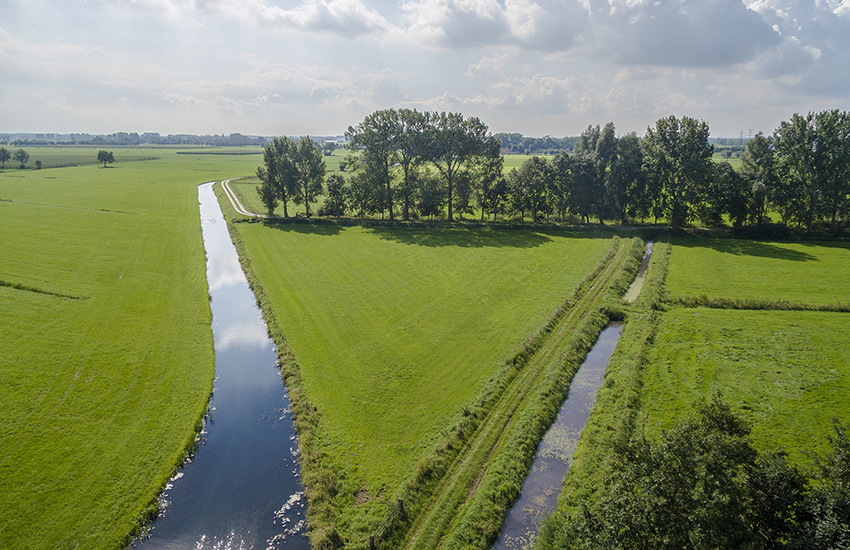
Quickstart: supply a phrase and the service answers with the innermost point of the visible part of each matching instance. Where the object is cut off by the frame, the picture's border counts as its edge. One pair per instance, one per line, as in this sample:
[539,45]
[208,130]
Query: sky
[537,67]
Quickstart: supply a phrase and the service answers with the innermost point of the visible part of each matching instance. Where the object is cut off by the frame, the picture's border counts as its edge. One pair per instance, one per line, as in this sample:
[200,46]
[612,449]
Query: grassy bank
[106,355]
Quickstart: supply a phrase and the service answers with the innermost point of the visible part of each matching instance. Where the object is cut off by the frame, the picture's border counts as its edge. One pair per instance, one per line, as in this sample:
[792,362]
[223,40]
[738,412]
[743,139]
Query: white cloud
[342,18]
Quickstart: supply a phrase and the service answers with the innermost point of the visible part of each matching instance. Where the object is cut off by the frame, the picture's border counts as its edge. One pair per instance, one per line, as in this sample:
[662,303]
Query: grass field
[396,329]
[106,357]
[808,273]
[786,372]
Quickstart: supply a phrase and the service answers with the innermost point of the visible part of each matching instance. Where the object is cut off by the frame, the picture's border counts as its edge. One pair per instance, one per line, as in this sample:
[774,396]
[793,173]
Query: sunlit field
[396,329]
[807,272]
[106,355]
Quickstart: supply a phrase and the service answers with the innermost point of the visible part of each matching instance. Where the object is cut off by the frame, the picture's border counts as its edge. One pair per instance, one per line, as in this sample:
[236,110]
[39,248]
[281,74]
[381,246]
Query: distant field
[58,157]
[106,355]
[786,372]
[395,329]
[809,273]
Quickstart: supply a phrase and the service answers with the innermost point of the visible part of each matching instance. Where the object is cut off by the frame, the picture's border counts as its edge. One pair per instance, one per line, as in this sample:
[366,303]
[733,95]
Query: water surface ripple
[242,489]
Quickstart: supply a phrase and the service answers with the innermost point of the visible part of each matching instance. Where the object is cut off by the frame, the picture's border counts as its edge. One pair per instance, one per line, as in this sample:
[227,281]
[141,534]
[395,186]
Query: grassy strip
[617,401]
[482,519]
[27,288]
[753,304]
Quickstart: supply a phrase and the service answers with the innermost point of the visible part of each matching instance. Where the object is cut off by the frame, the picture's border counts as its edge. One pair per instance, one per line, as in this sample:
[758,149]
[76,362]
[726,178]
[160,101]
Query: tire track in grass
[461,481]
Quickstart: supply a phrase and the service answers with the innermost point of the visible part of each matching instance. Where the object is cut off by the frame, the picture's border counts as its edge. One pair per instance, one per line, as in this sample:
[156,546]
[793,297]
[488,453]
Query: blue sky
[539,67]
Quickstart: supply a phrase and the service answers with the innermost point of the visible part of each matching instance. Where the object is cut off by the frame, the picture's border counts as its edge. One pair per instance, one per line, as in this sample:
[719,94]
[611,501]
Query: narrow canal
[554,453]
[242,488]
[552,461]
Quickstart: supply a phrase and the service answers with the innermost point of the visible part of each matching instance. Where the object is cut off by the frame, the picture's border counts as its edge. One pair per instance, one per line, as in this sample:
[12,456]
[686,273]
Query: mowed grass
[396,329]
[814,273]
[102,385]
[786,372]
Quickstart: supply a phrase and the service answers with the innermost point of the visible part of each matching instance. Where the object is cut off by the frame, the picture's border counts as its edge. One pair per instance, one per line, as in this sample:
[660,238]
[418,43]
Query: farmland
[107,358]
[783,370]
[395,330]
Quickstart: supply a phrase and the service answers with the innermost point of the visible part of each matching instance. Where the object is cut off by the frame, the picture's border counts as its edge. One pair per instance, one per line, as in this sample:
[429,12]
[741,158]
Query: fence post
[401,506]
[371,542]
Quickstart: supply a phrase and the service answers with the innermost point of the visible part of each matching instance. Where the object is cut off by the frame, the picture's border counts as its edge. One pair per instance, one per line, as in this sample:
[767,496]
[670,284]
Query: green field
[396,329]
[786,372]
[809,273]
[106,356]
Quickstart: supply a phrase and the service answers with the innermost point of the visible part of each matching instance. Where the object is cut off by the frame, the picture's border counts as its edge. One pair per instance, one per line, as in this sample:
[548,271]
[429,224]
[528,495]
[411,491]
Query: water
[242,489]
[634,289]
[554,453]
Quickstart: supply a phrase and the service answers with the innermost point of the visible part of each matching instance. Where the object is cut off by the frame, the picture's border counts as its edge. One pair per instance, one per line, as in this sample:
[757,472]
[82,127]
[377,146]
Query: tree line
[426,164]
[21,156]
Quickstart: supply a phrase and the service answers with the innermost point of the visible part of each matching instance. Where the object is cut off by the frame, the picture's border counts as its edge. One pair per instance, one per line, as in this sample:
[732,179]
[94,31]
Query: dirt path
[234,201]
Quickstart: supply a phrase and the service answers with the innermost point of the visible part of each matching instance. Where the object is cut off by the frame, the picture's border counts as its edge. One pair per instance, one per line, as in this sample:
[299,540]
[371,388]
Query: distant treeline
[131,139]
[420,164]
[518,144]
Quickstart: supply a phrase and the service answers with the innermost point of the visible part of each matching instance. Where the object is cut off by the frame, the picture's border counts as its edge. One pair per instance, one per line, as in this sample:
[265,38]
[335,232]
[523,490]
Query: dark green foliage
[677,156]
[5,156]
[336,201]
[105,157]
[293,171]
[703,485]
[22,157]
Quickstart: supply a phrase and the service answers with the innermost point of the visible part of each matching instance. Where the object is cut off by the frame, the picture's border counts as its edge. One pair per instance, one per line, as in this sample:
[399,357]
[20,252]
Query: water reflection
[554,453]
[242,489]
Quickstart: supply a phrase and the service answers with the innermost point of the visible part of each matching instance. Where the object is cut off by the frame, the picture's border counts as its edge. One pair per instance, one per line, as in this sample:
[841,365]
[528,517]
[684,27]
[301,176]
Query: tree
[533,182]
[454,142]
[376,138]
[267,191]
[279,176]
[336,202]
[411,143]
[22,157]
[104,157]
[727,192]
[491,182]
[625,181]
[309,172]
[678,156]
[759,170]
[431,197]
[5,156]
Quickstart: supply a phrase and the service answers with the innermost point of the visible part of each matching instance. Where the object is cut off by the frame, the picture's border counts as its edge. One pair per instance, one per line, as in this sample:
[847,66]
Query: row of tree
[427,164]
[20,156]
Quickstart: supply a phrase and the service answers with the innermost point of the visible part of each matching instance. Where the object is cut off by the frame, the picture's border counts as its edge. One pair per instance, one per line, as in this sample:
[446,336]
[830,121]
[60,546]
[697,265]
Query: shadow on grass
[436,234]
[747,248]
[480,236]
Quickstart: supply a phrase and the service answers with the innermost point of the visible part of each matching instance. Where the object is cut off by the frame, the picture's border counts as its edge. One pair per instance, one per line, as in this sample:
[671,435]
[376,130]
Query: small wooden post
[401,506]
[371,542]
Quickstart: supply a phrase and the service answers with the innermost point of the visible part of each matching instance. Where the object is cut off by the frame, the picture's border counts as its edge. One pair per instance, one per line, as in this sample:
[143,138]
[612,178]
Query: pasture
[396,329]
[106,355]
[786,372]
[815,273]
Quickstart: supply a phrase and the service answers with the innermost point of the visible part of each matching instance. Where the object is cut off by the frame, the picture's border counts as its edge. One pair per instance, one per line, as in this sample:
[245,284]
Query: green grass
[396,329]
[59,157]
[809,273]
[786,372]
[100,395]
